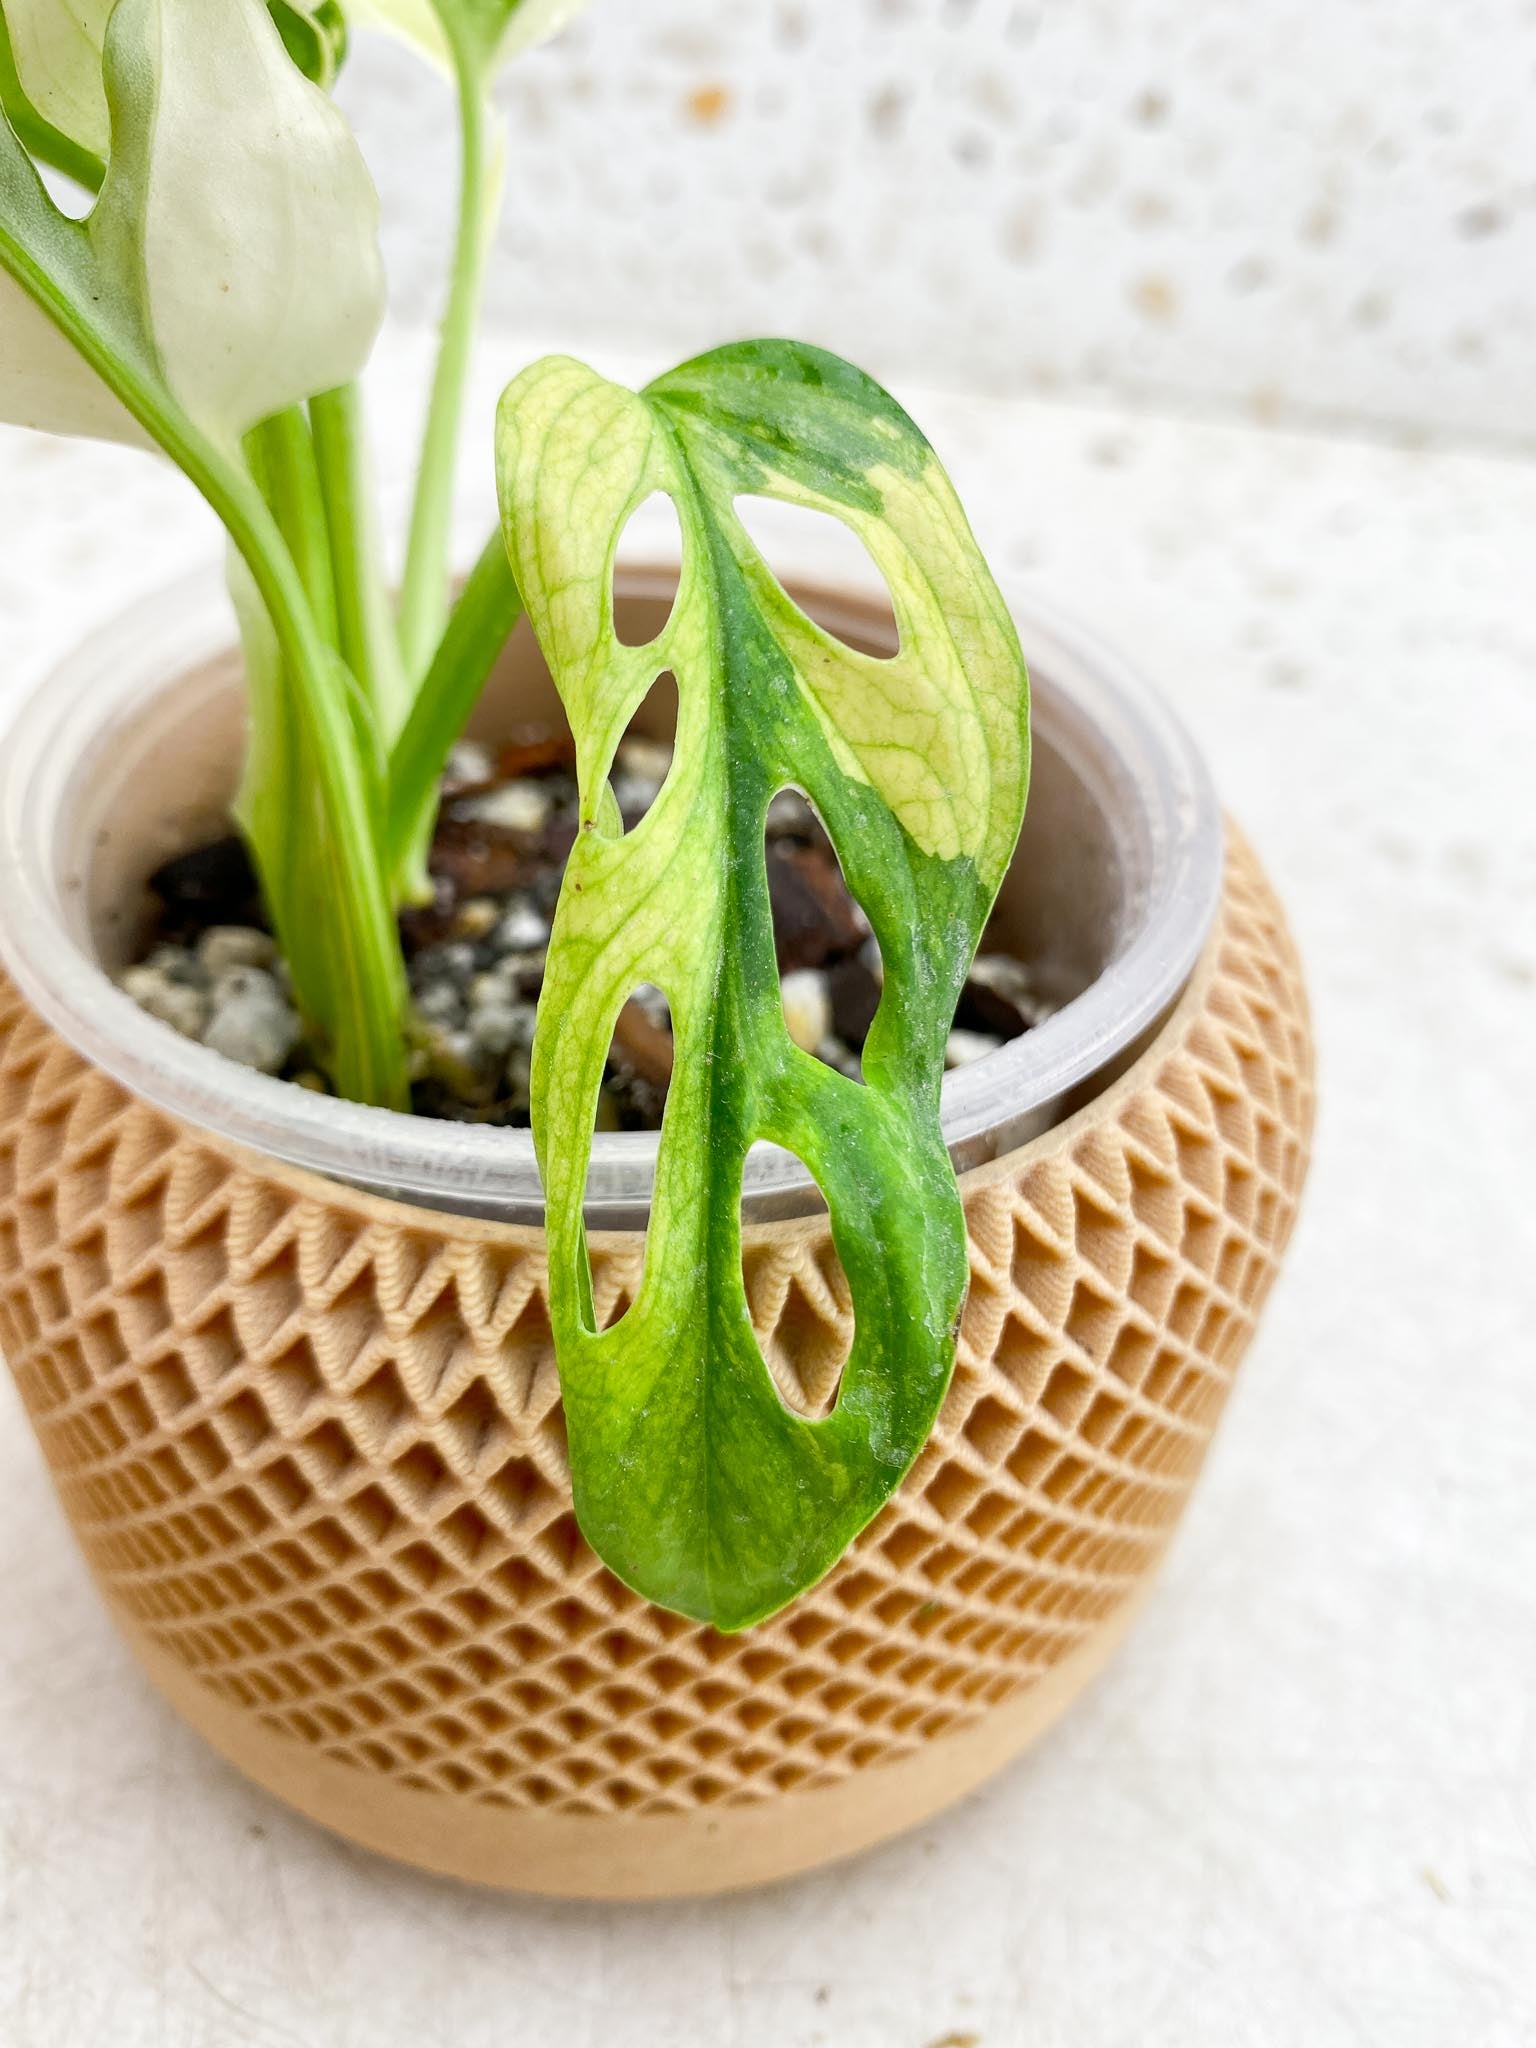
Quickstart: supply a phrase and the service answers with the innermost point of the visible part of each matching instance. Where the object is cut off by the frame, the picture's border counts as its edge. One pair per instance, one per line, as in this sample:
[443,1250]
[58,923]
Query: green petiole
[424,590]
[365,627]
[489,606]
[281,455]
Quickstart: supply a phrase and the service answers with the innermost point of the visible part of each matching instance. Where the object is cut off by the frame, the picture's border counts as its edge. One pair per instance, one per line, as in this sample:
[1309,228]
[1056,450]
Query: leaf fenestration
[692,1479]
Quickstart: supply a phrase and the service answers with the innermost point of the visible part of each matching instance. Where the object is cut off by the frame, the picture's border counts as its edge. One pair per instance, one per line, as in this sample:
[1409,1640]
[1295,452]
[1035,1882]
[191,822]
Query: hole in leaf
[802,1311]
[643,759]
[652,539]
[639,1067]
[815,555]
[74,201]
[830,969]
[636,1077]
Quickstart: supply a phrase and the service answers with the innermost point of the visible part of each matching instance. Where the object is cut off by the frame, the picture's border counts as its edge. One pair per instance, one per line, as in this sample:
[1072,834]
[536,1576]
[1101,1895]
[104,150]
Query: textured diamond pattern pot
[289,1360]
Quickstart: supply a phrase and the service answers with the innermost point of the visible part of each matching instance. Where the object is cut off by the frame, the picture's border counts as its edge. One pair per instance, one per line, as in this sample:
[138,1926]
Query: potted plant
[624,1525]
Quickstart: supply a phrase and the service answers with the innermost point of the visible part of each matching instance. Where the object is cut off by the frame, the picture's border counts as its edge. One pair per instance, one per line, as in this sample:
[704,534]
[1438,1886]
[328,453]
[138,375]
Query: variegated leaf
[692,1478]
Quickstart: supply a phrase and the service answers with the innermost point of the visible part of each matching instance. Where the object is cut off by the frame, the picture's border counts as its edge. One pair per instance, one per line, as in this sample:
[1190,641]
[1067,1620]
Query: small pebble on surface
[807,1009]
[175,1003]
[226,990]
[511,807]
[474,919]
[470,766]
[251,1020]
[224,946]
[520,928]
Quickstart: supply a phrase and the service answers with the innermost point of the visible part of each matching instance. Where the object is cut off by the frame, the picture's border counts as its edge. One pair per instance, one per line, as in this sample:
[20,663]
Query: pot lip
[1098,708]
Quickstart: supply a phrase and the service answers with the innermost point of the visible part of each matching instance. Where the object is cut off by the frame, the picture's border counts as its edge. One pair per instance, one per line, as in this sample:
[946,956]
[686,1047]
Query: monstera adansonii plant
[692,1477]
[214,296]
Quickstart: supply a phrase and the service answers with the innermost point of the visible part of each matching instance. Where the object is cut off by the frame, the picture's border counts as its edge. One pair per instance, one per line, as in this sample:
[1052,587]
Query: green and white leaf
[64,326]
[232,260]
[238,193]
[229,270]
[314,33]
[56,48]
[53,92]
[692,1478]
[490,32]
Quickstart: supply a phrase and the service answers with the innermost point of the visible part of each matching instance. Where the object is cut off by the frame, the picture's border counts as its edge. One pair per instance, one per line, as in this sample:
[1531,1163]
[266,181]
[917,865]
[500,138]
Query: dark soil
[476,951]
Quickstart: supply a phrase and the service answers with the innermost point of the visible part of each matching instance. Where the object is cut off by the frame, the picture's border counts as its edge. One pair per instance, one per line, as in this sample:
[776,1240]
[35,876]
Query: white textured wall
[1310,209]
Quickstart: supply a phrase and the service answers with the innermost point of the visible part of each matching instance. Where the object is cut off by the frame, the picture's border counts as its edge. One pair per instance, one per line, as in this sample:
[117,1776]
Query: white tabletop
[1301,1808]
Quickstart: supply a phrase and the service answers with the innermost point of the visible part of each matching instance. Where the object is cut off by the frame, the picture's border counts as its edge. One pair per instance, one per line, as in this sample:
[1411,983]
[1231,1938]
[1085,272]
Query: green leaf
[492,32]
[692,1479]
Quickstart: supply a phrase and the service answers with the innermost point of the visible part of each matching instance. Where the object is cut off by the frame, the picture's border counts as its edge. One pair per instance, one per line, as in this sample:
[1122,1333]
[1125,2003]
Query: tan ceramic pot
[309,1433]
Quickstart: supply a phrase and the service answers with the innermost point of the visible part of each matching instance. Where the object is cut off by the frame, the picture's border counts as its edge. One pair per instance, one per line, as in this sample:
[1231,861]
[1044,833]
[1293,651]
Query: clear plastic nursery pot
[289,1358]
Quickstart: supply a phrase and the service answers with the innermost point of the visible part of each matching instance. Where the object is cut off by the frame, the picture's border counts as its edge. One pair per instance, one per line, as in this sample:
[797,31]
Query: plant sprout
[217,301]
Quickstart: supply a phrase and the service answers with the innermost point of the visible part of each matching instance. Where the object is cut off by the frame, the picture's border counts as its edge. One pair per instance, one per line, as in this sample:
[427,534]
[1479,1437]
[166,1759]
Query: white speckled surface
[1276,209]
[1302,1806]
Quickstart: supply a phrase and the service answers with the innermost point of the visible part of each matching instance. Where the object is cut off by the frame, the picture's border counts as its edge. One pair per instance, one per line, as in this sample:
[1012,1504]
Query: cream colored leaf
[45,383]
[411,21]
[239,194]
[495,30]
[57,48]
[535,22]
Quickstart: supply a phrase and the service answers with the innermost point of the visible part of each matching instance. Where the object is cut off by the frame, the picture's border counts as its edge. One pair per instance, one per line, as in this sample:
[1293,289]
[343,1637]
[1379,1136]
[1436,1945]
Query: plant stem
[365,628]
[282,458]
[365,974]
[351,904]
[424,592]
[489,607]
